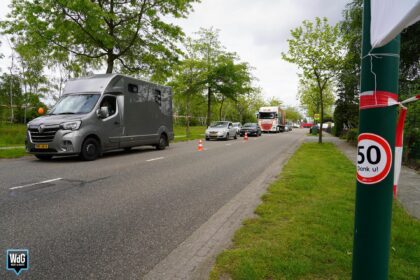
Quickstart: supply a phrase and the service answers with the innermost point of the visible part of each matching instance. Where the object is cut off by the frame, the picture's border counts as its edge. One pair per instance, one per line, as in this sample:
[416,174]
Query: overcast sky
[257,30]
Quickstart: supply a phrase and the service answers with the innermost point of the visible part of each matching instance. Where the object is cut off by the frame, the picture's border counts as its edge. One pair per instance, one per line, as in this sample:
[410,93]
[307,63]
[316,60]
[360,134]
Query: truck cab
[271,119]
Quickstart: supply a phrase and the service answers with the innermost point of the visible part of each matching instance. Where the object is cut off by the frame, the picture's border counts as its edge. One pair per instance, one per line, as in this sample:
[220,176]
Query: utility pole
[376,145]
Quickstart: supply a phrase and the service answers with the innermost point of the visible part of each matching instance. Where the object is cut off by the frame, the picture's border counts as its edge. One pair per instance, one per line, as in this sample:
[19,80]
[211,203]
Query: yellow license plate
[41,146]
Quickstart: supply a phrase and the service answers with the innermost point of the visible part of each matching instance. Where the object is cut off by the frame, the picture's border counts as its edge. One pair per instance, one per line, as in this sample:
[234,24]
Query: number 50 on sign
[374,158]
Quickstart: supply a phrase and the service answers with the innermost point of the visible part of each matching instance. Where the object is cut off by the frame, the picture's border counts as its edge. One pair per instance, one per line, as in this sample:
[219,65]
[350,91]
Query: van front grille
[43,135]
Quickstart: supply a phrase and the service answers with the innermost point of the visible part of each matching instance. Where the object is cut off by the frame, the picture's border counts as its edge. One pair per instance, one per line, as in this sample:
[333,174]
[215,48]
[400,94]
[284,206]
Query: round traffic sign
[374,158]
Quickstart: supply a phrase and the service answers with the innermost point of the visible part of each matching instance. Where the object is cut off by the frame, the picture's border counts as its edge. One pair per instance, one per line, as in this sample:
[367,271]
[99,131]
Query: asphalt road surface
[118,216]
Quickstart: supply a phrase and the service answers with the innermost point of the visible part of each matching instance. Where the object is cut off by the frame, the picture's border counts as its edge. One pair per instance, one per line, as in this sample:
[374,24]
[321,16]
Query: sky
[257,30]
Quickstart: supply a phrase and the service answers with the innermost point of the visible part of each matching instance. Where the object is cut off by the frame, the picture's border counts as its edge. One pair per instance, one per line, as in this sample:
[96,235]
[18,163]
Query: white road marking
[33,184]
[153,159]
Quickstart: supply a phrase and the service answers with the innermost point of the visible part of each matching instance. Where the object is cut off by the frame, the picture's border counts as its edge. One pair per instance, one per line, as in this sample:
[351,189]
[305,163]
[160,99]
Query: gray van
[101,113]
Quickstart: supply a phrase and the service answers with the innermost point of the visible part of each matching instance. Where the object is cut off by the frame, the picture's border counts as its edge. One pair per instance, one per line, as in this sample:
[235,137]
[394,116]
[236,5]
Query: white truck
[271,119]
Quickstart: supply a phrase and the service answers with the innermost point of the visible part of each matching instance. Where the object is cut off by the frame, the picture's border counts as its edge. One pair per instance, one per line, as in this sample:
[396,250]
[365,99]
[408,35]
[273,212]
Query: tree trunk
[187,129]
[208,106]
[321,117]
[221,109]
[110,62]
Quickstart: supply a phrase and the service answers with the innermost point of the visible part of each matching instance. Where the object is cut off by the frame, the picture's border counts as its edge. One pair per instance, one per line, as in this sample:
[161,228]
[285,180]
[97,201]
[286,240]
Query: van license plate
[41,146]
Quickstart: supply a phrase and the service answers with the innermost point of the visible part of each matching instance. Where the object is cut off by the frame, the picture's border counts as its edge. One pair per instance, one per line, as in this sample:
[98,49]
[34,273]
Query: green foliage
[209,74]
[12,84]
[274,101]
[315,48]
[309,97]
[304,228]
[131,34]
[293,114]
[409,86]
[351,135]
[346,115]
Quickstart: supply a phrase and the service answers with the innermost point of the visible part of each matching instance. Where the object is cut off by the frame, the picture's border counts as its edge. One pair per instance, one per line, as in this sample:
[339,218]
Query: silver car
[238,127]
[221,130]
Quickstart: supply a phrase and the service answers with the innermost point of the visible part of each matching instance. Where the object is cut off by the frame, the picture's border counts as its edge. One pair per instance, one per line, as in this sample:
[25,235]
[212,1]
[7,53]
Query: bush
[352,135]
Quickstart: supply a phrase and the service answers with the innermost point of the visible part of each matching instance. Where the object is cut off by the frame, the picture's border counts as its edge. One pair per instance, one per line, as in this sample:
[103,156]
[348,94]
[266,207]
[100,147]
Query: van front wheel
[90,149]
[162,143]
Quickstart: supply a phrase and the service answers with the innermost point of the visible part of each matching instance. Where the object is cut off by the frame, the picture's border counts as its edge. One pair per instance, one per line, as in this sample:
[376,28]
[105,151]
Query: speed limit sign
[374,158]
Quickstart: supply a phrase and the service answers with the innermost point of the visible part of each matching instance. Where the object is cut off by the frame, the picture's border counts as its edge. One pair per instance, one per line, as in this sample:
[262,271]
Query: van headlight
[75,125]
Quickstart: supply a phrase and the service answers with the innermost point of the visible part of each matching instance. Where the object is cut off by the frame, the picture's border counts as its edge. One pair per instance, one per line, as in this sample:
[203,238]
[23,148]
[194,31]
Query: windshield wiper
[66,113]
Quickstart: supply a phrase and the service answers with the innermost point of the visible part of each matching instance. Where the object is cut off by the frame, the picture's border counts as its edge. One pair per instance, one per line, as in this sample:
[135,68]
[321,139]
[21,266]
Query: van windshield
[265,115]
[75,104]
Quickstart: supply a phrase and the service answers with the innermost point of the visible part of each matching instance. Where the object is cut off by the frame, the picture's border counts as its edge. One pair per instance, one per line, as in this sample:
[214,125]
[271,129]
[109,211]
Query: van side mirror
[103,112]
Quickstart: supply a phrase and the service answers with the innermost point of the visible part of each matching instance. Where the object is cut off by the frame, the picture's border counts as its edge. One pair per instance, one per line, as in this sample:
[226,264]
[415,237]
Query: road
[117,217]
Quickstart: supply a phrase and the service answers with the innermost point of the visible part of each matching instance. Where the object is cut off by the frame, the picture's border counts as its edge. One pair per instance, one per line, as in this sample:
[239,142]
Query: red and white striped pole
[399,148]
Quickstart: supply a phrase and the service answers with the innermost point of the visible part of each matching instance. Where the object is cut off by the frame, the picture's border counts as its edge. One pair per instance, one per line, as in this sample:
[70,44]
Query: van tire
[44,157]
[162,142]
[90,149]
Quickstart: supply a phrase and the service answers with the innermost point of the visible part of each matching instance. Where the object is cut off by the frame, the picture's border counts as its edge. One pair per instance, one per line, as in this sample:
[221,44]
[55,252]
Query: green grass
[196,132]
[12,135]
[13,153]
[304,227]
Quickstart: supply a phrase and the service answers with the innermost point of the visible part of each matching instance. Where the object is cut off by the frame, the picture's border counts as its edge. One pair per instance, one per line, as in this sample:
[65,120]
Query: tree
[131,34]
[10,86]
[189,78]
[274,101]
[225,76]
[409,86]
[309,97]
[346,114]
[230,79]
[293,114]
[209,49]
[315,48]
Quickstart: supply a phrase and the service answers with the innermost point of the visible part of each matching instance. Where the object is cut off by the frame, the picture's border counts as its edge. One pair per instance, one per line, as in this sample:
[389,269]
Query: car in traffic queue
[100,113]
[252,129]
[223,130]
[238,127]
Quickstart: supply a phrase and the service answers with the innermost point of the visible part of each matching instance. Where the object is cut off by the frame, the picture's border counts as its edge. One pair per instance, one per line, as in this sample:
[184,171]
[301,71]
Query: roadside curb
[195,257]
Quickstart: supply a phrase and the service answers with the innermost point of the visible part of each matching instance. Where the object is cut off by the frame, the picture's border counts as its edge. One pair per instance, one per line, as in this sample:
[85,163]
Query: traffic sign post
[376,142]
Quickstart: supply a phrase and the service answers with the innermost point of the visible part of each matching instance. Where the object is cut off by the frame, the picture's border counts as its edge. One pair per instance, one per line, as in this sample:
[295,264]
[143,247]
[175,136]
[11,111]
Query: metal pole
[372,230]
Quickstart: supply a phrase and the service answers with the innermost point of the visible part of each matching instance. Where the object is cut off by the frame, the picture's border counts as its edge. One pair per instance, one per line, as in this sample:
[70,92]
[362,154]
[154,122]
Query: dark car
[252,129]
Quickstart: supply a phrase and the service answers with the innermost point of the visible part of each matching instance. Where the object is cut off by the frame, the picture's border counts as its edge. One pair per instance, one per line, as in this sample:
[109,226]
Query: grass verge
[12,135]
[196,132]
[304,228]
[13,153]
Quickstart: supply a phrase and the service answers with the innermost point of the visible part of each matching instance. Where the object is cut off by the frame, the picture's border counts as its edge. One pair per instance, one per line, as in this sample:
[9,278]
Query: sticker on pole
[374,158]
